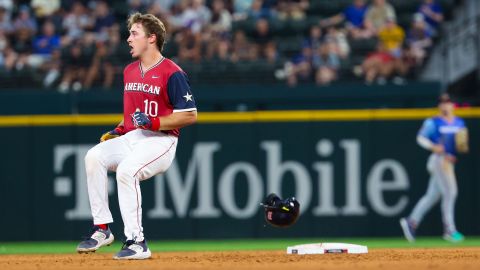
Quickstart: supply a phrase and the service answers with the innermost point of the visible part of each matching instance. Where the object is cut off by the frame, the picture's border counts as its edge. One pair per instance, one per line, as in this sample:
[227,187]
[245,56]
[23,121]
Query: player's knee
[92,158]
[453,194]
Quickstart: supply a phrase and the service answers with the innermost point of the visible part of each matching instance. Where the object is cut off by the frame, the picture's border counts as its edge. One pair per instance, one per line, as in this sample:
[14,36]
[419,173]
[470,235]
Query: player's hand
[438,149]
[118,131]
[143,121]
[450,158]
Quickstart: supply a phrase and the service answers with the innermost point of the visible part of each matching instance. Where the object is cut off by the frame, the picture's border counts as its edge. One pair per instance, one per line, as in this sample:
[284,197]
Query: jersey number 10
[151,108]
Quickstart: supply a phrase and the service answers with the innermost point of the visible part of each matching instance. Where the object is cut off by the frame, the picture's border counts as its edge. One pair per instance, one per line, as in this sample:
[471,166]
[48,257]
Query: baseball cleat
[408,230]
[454,237]
[132,250]
[98,239]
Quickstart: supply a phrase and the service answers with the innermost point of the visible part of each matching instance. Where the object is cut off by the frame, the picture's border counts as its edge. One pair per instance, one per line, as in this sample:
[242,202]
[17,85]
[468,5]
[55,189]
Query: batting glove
[143,121]
[118,131]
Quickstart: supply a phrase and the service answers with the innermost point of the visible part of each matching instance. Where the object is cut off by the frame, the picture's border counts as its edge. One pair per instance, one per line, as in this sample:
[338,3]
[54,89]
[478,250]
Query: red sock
[102,226]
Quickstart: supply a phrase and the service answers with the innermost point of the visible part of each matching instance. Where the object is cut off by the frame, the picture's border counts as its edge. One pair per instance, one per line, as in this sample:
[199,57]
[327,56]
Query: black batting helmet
[281,213]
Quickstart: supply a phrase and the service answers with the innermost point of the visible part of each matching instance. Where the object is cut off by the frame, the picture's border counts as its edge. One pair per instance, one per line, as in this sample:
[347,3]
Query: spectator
[77,59]
[22,44]
[44,8]
[8,56]
[354,16]
[299,69]
[48,41]
[259,11]
[263,38]
[5,23]
[137,6]
[166,4]
[189,45]
[377,14]
[51,69]
[326,63]
[391,38]
[242,49]
[221,19]
[76,21]
[419,40]
[433,14]
[196,16]
[25,21]
[217,34]
[44,44]
[104,61]
[378,65]
[315,39]
[161,9]
[241,9]
[339,43]
[292,9]
[103,20]
[7,5]
[103,17]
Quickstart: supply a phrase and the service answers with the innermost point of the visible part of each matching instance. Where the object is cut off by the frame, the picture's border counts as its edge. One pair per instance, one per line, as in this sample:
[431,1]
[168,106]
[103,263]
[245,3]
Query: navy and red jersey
[161,90]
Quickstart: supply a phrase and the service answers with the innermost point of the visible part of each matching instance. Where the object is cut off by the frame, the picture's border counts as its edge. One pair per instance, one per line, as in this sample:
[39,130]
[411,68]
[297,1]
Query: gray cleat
[408,230]
[132,250]
[96,240]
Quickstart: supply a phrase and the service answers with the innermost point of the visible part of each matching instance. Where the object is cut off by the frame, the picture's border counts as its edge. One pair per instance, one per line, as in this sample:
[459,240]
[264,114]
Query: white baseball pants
[135,156]
[443,184]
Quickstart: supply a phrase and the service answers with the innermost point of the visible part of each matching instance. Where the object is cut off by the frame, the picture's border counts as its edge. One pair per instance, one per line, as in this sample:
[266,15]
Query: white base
[324,248]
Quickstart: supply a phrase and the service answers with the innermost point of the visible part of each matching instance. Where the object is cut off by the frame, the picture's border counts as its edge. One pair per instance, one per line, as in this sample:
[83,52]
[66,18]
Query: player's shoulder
[170,67]
[432,120]
[459,121]
[131,66]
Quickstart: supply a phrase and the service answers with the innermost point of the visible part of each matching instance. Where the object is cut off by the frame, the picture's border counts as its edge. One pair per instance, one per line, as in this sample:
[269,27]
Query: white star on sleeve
[188,97]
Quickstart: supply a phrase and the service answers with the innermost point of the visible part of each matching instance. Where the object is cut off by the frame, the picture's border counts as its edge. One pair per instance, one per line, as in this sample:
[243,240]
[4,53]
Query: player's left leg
[449,189]
[152,154]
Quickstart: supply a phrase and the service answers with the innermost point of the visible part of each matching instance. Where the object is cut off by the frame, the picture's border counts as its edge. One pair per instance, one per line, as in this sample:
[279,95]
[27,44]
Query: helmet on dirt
[281,213]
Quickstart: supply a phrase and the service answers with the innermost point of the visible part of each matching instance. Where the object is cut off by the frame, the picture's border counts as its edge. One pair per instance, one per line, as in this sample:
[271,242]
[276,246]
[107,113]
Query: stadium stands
[87,50]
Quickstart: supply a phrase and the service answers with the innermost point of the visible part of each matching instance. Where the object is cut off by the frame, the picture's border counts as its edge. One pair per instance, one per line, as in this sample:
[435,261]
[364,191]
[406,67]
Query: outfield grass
[230,245]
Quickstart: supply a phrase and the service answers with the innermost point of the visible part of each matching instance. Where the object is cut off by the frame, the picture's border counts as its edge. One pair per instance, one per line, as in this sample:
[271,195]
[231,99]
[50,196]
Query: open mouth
[131,49]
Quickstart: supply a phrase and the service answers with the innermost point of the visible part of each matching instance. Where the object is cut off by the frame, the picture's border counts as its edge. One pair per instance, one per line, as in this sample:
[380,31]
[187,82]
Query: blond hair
[152,26]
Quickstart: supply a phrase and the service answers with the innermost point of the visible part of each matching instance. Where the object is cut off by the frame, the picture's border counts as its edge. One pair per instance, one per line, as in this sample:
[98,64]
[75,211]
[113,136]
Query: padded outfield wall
[355,173]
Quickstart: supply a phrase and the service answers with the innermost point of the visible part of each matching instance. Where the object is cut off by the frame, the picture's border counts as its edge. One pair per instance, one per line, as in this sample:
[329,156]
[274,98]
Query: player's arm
[424,135]
[178,120]
[183,103]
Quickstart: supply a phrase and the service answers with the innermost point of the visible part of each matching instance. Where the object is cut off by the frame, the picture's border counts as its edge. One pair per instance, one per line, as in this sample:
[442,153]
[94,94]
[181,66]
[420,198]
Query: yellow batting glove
[118,131]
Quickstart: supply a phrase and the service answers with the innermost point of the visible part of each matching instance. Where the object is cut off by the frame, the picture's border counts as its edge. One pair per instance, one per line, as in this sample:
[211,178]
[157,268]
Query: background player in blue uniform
[438,134]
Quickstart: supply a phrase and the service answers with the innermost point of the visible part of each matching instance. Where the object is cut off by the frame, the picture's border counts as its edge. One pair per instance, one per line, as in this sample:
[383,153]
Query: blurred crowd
[75,45]
[398,50]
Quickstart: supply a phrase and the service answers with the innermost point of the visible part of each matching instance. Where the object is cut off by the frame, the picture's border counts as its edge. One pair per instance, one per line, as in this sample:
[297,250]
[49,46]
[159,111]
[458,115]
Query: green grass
[229,245]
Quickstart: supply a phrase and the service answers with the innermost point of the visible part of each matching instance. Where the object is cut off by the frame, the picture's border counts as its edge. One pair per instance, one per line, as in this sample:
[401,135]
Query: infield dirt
[381,259]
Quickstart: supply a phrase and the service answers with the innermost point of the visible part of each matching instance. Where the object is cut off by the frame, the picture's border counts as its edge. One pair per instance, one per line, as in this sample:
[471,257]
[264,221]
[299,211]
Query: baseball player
[440,135]
[157,102]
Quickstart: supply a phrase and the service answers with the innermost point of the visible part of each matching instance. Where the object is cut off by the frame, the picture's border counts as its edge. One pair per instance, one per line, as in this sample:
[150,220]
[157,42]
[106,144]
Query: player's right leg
[409,224]
[99,159]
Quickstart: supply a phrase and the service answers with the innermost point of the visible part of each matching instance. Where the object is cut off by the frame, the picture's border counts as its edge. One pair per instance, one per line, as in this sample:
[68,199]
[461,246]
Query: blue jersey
[439,131]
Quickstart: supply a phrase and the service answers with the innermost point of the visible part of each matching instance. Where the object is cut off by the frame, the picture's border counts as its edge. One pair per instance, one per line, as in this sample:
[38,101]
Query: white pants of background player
[443,184]
[135,156]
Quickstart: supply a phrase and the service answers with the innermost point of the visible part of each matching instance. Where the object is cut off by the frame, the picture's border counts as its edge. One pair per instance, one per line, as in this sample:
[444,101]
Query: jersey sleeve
[428,129]
[179,93]
[461,123]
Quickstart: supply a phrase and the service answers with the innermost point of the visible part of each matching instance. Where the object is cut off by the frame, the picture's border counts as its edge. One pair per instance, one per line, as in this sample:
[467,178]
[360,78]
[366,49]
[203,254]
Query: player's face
[446,108]
[137,40]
